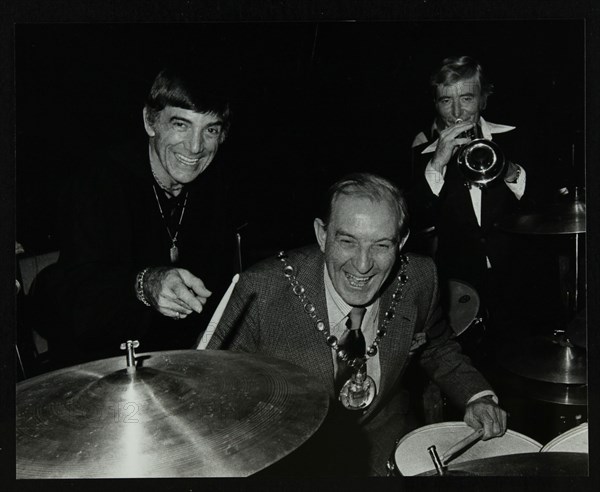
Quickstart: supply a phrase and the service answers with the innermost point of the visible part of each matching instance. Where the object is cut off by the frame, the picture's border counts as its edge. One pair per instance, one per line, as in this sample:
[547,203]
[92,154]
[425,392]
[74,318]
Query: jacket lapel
[309,272]
[395,346]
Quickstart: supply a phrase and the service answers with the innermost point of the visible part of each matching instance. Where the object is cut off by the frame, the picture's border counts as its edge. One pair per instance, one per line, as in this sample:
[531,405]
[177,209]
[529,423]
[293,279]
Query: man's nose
[363,261]
[456,109]
[196,143]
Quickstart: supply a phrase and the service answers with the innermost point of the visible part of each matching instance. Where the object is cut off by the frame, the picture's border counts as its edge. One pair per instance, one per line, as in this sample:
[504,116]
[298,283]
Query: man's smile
[186,161]
[358,282]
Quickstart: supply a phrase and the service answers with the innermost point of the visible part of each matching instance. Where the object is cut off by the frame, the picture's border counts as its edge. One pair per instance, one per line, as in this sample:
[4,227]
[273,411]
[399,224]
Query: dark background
[68,71]
[311,101]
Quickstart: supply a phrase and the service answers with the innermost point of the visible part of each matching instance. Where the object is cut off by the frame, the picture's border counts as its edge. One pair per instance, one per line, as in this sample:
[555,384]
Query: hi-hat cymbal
[555,464]
[549,359]
[185,413]
[567,217]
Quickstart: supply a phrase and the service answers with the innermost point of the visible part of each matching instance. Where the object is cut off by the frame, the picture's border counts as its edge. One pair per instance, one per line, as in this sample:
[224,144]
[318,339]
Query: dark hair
[188,90]
[375,188]
[455,68]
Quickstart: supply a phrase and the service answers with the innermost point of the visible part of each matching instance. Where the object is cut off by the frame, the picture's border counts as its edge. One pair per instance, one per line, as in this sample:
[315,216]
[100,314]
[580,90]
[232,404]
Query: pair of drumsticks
[440,463]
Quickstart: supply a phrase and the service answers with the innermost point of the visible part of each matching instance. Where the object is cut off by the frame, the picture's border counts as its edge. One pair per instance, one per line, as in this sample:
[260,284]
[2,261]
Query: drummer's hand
[485,412]
[174,292]
[447,142]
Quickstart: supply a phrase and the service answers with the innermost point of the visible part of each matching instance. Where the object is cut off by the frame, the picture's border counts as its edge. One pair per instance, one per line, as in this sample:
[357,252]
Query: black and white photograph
[303,252]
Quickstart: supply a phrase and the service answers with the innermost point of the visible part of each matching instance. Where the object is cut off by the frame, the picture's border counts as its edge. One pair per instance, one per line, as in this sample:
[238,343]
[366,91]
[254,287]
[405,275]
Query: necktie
[352,342]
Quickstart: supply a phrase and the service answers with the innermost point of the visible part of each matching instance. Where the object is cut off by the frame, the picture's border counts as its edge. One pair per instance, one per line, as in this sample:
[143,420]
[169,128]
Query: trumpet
[480,161]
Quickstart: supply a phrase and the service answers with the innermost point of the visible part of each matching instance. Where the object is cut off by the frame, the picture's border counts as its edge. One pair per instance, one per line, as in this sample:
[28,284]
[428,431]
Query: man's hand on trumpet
[449,140]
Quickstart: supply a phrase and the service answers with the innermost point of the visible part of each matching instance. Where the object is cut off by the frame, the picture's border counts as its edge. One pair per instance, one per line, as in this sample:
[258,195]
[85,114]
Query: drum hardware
[130,345]
[442,463]
[480,161]
[437,462]
[180,413]
[521,465]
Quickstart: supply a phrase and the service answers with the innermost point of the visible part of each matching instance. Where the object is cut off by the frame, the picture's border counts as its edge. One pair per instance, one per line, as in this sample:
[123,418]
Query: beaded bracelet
[139,286]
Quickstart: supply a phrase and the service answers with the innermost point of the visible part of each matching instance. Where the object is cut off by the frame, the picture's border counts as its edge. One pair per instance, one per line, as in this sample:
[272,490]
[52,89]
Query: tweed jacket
[264,315]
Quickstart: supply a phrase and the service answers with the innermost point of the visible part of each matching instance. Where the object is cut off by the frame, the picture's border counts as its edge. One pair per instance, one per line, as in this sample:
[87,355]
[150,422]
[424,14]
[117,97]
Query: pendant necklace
[359,391]
[174,251]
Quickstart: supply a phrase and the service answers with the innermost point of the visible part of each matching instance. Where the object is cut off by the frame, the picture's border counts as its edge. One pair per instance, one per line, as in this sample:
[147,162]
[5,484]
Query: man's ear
[320,233]
[482,102]
[147,125]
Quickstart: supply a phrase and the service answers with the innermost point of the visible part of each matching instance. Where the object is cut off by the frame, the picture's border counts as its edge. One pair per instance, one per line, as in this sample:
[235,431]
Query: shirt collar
[487,129]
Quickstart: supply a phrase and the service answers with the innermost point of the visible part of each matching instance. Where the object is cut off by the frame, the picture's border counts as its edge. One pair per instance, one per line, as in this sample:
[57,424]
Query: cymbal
[554,464]
[555,393]
[185,413]
[567,217]
[549,359]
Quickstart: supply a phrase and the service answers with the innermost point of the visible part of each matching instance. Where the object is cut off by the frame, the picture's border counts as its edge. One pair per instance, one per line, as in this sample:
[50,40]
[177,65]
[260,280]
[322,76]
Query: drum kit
[465,454]
[203,413]
[552,368]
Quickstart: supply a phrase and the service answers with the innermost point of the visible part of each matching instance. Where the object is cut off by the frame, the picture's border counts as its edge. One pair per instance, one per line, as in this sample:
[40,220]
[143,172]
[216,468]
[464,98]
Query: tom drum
[412,458]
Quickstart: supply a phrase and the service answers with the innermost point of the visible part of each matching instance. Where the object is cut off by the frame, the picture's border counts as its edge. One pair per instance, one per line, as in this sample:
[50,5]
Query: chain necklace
[161,184]
[174,251]
[359,383]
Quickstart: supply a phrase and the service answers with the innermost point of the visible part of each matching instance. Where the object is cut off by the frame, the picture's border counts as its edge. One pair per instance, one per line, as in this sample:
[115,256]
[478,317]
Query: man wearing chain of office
[353,311]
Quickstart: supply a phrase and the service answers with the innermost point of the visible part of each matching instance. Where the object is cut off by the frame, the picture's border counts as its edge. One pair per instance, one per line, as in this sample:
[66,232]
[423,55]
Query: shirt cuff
[434,178]
[518,188]
[481,394]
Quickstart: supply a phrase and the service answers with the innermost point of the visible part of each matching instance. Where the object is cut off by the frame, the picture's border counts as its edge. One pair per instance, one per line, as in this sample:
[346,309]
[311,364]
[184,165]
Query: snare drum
[574,441]
[412,458]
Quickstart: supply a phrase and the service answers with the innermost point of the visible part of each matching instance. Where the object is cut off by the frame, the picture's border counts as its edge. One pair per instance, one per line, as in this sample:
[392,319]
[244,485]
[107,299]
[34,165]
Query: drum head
[574,440]
[463,305]
[412,457]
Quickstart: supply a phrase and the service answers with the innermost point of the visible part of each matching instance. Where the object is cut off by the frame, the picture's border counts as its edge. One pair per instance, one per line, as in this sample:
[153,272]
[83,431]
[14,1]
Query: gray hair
[374,187]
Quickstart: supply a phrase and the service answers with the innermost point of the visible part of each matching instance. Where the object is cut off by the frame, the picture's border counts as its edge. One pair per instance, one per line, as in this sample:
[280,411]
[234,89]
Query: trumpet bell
[481,162]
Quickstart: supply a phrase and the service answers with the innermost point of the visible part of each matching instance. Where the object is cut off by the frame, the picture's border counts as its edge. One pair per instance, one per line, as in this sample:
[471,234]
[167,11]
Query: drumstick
[460,445]
[214,321]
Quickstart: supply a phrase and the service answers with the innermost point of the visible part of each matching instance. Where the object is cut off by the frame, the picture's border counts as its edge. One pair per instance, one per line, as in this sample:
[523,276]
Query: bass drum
[411,457]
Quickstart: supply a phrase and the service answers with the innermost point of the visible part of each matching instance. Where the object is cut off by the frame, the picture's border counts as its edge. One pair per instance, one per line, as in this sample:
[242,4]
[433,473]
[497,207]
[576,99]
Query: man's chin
[358,298]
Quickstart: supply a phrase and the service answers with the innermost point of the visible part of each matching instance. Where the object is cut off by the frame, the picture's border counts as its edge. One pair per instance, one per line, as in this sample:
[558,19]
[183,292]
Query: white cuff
[434,178]
[481,394]
[518,188]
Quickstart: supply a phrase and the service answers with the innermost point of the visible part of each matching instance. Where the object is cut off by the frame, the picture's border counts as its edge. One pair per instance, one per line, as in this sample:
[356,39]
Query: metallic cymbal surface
[562,218]
[555,464]
[185,413]
[549,359]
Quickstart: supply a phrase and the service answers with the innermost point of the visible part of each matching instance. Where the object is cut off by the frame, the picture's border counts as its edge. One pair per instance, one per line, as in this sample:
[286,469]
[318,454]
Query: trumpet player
[463,213]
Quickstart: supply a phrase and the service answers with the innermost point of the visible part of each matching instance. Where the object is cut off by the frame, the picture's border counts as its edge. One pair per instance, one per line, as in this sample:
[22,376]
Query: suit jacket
[463,244]
[264,315]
